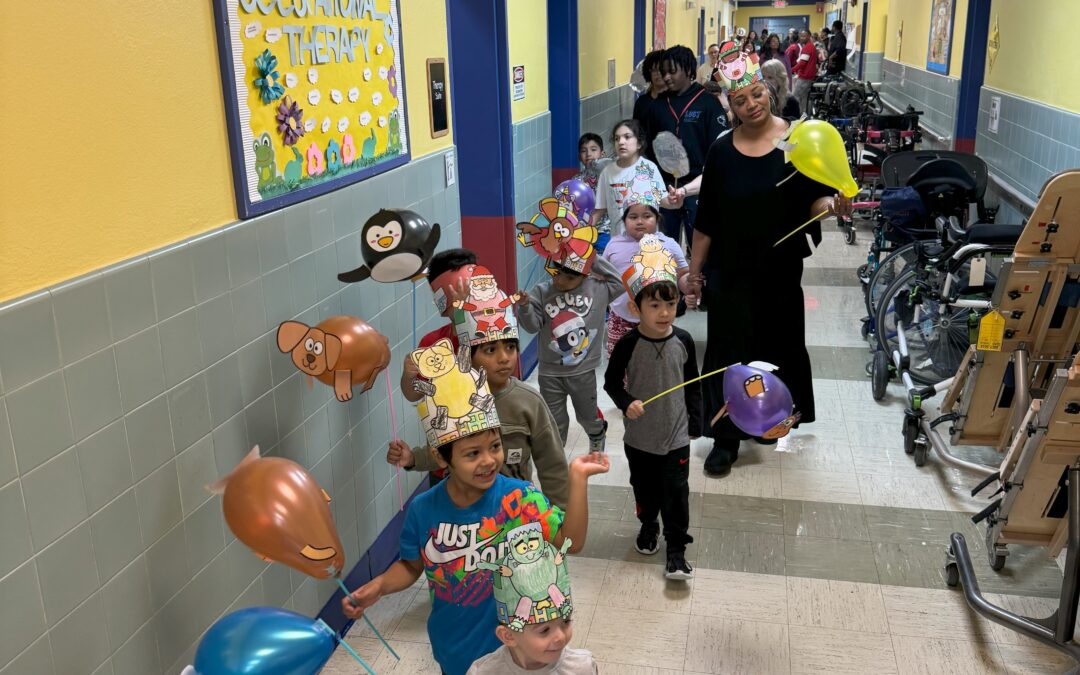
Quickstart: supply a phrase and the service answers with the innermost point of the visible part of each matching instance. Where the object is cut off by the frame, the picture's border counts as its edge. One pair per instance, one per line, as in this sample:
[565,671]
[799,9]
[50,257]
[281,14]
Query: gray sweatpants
[581,389]
[802,93]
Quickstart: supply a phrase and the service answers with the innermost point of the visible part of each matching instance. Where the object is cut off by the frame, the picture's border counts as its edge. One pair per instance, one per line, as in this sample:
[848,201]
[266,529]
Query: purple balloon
[576,196]
[758,402]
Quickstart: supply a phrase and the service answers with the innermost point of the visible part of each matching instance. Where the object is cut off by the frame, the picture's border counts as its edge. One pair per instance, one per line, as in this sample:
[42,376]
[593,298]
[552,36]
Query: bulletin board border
[246,208]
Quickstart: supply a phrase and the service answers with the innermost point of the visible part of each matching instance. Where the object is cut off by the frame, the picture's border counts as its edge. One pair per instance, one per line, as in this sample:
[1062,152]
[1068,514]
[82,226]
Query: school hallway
[822,554]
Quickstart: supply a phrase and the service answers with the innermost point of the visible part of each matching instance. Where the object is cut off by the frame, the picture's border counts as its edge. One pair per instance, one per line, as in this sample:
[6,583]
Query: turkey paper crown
[555,234]
[487,314]
[531,584]
[457,402]
[651,264]
[735,69]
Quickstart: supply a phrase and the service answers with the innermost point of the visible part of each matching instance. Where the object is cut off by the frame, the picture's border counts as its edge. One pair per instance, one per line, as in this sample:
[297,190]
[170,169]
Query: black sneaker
[720,458]
[678,568]
[648,539]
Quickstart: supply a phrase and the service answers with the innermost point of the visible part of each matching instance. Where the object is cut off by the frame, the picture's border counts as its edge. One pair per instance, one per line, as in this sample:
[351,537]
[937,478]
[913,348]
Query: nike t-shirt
[450,541]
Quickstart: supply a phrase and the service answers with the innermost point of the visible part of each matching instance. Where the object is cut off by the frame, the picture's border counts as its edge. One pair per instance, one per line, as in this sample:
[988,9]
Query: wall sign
[659,31]
[941,29]
[314,96]
[519,83]
[440,122]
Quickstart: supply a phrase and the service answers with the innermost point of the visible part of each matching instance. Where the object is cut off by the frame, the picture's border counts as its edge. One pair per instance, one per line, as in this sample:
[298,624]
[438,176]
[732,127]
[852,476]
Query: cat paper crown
[531,584]
[555,234]
[457,402]
[652,263]
[488,313]
[736,70]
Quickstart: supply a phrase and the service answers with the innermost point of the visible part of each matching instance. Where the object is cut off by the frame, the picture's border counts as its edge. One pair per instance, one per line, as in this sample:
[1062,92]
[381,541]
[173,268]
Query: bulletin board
[939,48]
[314,96]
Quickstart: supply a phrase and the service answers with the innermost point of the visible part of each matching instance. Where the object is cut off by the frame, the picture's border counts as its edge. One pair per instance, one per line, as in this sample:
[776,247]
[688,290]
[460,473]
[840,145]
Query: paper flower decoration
[267,81]
[333,156]
[348,149]
[315,165]
[290,121]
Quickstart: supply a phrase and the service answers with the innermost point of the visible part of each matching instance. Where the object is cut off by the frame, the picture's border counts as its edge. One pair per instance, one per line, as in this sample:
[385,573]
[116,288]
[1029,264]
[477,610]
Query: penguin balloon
[396,245]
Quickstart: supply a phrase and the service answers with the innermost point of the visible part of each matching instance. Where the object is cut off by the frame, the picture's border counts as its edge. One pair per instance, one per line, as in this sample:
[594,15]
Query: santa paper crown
[457,402]
[531,584]
[736,70]
[555,234]
[651,264]
[487,314]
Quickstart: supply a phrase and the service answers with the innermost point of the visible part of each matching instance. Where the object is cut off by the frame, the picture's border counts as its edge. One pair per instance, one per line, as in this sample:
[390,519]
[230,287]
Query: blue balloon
[265,641]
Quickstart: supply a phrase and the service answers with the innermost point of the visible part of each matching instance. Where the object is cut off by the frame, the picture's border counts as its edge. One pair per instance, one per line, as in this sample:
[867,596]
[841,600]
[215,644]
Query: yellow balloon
[819,154]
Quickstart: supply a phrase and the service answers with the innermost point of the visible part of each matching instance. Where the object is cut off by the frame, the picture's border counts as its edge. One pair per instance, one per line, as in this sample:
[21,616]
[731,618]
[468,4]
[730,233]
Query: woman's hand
[837,205]
[675,197]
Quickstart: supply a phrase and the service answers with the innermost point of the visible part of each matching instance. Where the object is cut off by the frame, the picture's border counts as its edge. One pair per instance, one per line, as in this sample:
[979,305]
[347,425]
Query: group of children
[493,546]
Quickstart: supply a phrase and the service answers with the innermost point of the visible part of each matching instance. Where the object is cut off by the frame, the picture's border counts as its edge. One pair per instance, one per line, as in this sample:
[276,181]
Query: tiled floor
[822,554]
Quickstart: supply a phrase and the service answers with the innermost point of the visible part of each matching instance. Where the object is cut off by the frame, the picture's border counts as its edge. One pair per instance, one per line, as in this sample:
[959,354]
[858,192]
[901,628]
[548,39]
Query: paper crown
[556,235]
[487,314]
[457,402]
[651,264]
[531,583]
[736,70]
[643,188]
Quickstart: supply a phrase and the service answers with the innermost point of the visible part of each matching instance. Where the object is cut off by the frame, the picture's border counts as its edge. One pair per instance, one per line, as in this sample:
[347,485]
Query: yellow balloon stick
[817,217]
[680,386]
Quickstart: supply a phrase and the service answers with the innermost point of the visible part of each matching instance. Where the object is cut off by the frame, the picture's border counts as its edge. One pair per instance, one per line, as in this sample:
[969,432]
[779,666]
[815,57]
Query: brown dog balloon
[277,509]
[342,351]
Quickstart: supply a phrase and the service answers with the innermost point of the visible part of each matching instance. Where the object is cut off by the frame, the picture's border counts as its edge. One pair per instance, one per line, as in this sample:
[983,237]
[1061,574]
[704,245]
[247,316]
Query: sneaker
[678,568]
[596,443]
[648,539]
[720,459]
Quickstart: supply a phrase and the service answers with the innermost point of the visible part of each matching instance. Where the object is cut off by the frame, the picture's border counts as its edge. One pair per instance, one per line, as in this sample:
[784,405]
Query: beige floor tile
[817,456]
[876,434]
[386,614]
[413,624]
[820,486]
[933,613]
[586,578]
[657,637]
[844,605]
[1032,607]
[839,652]
[635,586]
[749,481]
[739,595]
[582,621]
[613,668]
[754,454]
[416,659]
[1034,659]
[889,460]
[910,492]
[923,656]
[728,646]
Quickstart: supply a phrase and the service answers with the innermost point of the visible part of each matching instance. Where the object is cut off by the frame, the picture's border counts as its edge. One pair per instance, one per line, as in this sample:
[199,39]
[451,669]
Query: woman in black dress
[750,199]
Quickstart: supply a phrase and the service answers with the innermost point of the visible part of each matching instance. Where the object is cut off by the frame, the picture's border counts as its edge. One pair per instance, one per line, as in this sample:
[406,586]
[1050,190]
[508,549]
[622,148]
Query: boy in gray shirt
[567,314]
[652,358]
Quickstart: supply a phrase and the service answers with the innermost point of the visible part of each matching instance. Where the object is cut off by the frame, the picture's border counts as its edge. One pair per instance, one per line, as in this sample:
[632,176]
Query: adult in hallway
[696,118]
[772,50]
[805,70]
[750,198]
[837,57]
[705,70]
[643,106]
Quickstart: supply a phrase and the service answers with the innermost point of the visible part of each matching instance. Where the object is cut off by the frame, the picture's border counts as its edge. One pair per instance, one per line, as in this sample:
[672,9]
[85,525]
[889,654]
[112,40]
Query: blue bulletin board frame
[245,206]
[933,66]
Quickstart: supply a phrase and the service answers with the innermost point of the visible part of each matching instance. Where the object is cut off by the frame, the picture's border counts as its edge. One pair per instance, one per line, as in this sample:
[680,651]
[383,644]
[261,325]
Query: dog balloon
[342,351]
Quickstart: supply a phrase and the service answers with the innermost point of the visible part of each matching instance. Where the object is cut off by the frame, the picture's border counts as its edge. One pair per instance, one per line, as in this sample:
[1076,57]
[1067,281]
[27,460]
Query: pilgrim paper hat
[532,584]
[457,402]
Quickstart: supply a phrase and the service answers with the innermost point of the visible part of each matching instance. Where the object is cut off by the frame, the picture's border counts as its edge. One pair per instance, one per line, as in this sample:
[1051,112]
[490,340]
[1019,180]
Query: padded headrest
[942,173]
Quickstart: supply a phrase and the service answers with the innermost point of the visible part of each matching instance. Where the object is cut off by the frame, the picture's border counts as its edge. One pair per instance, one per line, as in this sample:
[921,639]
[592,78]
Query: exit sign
[779,4]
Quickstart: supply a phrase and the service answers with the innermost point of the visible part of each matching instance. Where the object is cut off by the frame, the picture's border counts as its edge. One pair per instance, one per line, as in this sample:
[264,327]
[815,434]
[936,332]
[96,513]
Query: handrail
[937,135]
[1008,188]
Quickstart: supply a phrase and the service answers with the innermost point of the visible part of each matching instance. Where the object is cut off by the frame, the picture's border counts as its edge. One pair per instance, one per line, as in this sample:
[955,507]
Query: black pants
[661,488]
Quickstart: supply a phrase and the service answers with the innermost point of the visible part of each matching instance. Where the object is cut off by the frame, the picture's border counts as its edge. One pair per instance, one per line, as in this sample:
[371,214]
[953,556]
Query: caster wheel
[864,330]
[997,562]
[911,433]
[879,373]
[952,575]
[922,451]
[863,272]
[849,235]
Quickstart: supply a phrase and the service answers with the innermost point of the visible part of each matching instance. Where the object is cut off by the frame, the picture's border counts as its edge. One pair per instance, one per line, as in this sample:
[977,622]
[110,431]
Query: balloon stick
[347,647]
[341,585]
[817,217]
[680,386]
[393,434]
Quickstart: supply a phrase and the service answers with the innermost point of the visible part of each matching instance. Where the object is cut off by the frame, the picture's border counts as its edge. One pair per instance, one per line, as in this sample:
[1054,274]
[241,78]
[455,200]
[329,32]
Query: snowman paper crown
[457,402]
[736,70]
[531,584]
[487,314]
[651,264]
[556,234]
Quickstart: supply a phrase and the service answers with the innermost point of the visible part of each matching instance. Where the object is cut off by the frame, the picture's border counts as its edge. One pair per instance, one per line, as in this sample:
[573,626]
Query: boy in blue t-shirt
[463,520]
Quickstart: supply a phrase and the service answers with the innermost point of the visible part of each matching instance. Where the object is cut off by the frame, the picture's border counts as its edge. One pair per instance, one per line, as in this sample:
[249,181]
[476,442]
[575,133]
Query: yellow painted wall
[605,31]
[526,28]
[744,14]
[1054,84]
[876,28]
[124,147]
[915,15]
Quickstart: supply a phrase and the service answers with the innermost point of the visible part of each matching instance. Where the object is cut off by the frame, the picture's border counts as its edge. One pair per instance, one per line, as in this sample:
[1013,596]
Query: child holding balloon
[591,156]
[455,530]
[655,357]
